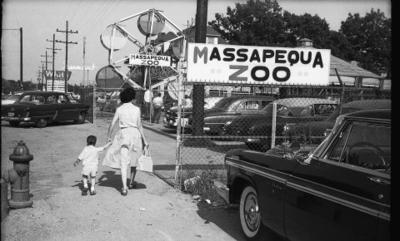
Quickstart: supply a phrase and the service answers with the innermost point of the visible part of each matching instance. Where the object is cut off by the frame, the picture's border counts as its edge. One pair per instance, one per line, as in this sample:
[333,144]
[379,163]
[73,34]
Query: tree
[253,23]
[263,23]
[306,26]
[370,37]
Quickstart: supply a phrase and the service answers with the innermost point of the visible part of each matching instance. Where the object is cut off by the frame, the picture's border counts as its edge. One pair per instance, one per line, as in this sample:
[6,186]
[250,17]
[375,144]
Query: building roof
[347,69]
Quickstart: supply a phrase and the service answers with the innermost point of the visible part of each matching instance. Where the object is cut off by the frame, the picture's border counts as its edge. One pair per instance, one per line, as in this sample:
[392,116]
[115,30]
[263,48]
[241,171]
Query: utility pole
[84,60]
[45,68]
[21,55]
[54,54]
[39,76]
[21,73]
[198,89]
[66,51]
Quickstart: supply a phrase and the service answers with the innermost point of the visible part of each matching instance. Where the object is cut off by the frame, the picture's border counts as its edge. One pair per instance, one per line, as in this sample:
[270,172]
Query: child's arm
[77,162]
[107,145]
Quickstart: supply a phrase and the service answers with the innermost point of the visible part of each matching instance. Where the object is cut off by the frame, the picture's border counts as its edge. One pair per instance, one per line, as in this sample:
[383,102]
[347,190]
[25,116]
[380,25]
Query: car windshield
[32,99]
[13,97]
[223,103]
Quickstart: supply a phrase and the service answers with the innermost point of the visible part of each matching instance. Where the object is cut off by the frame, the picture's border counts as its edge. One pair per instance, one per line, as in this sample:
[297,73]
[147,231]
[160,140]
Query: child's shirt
[90,155]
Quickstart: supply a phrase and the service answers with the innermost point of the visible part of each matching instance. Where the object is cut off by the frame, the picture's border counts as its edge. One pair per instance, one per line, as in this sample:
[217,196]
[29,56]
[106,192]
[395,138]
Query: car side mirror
[327,132]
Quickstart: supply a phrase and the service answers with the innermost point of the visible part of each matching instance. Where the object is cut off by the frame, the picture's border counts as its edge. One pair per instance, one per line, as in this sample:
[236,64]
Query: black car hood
[268,160]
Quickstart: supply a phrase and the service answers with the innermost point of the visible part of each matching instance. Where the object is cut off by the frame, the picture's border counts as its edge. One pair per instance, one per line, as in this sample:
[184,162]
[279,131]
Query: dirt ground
[153,211]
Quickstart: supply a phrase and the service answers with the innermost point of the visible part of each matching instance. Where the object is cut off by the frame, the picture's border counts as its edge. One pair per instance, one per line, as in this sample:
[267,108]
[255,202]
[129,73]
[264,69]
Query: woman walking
[129,139]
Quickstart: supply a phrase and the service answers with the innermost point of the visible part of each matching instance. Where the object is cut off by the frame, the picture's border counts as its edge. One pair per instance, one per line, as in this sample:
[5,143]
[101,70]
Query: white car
[11,99]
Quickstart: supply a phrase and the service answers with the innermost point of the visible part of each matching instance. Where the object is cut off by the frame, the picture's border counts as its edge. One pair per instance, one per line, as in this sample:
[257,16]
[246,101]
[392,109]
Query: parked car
[231,107]
[289,110]
[11,99]
[315,131]
[43,108]
[257,128]
[112,102]
[171,116]
[340,191]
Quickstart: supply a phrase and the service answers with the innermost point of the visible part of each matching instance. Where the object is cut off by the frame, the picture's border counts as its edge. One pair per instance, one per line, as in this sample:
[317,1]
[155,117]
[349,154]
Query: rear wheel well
[238,185]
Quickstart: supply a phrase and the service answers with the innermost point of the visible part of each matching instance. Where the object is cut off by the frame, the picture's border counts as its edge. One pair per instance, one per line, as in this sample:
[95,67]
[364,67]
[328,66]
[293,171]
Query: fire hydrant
[19,177]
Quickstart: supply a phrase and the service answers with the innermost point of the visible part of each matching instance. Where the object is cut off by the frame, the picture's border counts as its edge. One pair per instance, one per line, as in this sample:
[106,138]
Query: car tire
[41,123]
[81,118]
[250,214]
[14,123]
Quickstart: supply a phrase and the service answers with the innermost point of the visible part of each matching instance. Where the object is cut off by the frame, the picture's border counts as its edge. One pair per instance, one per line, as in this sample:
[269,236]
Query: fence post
[178,127]
[273,131]
[94,103]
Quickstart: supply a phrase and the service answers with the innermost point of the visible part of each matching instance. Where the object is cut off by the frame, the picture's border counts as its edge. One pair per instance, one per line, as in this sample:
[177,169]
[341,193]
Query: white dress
[127,135]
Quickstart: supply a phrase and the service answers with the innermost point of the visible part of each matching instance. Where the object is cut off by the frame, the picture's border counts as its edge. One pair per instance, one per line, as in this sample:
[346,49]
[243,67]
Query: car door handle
[379,180]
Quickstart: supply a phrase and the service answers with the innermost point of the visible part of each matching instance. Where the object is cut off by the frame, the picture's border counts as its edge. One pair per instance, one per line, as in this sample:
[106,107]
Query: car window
[337,150]
[364,144]
[324,109]
[307,111]
[264,103]
[62,99]
[248,105]
[25,99]
[37,99]
[51,99]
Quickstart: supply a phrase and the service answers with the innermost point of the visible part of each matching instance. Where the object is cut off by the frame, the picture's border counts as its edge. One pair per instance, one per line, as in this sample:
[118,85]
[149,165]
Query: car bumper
[20,119]
[254,140]
[171,123]
[222,190]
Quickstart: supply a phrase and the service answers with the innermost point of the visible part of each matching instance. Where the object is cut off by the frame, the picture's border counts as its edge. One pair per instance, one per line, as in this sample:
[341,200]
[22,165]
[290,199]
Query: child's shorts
[89,170]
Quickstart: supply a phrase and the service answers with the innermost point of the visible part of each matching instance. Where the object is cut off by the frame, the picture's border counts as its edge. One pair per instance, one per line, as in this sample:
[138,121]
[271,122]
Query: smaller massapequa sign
[211,63]
[149,60]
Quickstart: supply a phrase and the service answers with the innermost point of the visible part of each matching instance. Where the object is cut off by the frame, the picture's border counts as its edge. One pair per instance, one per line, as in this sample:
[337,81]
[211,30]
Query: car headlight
[228,123]
[286,128]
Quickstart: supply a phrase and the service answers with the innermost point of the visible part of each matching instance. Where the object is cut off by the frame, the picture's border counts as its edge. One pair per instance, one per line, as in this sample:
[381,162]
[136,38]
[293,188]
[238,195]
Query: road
[153,211]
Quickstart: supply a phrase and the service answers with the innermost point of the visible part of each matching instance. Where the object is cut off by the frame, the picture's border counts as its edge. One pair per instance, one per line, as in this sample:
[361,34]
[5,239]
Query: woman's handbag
[145,163]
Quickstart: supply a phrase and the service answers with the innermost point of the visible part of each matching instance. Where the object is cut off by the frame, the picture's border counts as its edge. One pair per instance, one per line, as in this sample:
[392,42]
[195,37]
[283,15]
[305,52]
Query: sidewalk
[153,211]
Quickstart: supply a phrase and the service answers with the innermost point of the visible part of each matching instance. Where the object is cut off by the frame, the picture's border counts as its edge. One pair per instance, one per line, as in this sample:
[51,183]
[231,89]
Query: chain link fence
[86,94]
[259,118]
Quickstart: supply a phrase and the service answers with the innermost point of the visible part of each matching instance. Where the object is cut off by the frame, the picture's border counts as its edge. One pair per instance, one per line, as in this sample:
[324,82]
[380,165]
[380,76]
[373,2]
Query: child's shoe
[92,192]
[84,191]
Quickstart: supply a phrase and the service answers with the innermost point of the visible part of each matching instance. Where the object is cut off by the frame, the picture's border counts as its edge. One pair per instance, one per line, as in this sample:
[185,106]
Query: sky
[41,18]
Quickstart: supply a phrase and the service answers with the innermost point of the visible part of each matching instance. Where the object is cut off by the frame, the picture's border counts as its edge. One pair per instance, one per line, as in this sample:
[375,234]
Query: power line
[66,31]
[54,53]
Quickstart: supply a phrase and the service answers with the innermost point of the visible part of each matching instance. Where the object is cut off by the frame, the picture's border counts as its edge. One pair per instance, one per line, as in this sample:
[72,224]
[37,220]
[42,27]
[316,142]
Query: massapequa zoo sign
[233,64]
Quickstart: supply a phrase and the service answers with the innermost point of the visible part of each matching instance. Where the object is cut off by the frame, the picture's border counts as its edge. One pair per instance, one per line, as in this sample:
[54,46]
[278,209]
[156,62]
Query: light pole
[21,62]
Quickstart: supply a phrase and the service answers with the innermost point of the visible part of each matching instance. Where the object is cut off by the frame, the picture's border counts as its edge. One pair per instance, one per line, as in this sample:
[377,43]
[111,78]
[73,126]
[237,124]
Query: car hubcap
[251,212]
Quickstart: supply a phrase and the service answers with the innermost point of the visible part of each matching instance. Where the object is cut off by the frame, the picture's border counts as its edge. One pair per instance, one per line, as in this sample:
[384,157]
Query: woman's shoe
[132,185]
[124,192]
[92,192]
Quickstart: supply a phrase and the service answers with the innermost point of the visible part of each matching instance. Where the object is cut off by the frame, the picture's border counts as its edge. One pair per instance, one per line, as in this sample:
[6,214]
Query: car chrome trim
[261,173]
[341,201]
[352,205]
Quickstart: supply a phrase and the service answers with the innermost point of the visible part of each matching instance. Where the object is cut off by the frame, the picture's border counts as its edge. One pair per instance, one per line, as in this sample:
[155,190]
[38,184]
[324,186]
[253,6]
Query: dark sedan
[231,107]
[289,110]
[42,108]
[341,191]
[315,131]
[171,114]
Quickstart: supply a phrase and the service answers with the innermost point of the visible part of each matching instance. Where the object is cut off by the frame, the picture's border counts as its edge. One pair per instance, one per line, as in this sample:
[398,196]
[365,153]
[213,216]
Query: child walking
[90,160]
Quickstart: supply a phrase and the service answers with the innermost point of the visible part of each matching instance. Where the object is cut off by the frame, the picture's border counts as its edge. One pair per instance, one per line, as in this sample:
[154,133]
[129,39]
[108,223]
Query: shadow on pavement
[110,179]
[226,219]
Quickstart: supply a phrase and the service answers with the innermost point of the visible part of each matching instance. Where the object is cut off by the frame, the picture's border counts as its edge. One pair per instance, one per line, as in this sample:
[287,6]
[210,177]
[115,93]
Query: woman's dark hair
[127,95]
[91,140]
